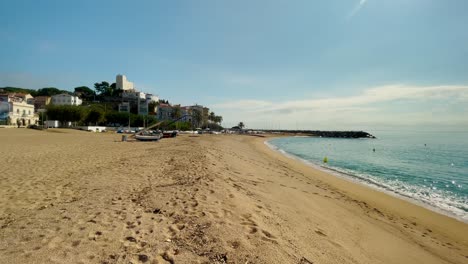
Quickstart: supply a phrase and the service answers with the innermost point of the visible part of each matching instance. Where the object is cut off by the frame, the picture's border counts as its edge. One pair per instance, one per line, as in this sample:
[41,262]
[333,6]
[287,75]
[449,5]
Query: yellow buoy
[325,160]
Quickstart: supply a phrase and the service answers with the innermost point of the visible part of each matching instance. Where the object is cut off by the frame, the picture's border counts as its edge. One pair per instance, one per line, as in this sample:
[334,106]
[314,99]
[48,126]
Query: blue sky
[334,64]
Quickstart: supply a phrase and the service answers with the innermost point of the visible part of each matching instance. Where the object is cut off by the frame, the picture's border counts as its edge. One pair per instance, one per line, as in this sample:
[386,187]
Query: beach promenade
[69,196]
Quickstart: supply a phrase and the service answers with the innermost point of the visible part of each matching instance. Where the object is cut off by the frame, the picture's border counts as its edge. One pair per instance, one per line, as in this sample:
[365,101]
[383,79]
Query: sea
[426,168]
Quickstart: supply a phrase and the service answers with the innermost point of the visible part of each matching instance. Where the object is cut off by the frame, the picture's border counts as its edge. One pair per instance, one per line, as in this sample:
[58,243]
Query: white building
[132,95]
[14,110]
[121,83]
[66,99]
[150,97]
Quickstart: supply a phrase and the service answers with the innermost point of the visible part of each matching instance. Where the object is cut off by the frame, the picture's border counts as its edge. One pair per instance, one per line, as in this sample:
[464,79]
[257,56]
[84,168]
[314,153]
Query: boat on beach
[148,137]
[170,134]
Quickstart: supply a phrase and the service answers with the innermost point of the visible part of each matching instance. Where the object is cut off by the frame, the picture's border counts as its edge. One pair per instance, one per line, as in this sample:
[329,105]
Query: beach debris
[143,258]
[156,211]
[305,261]
[131,239]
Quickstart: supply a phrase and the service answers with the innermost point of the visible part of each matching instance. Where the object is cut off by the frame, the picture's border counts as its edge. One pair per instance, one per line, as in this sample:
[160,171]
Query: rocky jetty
[341,134]
[330,134]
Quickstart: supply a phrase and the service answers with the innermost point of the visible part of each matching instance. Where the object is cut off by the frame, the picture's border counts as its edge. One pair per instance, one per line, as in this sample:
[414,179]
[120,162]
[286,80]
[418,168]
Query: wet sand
[78,197]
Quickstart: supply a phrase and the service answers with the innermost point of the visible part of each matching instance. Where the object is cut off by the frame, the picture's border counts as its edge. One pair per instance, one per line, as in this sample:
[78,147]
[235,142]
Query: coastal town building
[121,83]
[124,107]
[152,98]
[40,102]
[66,99]
[15,110]
[204,111]
[186,114]
[142,107]
[164,112]
[132,99]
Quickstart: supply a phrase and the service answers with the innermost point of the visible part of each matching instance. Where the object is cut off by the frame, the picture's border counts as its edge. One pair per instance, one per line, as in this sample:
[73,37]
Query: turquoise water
[427,167]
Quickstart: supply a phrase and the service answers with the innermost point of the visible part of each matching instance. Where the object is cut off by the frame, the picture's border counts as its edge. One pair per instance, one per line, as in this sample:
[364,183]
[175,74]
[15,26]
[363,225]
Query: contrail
[357,8]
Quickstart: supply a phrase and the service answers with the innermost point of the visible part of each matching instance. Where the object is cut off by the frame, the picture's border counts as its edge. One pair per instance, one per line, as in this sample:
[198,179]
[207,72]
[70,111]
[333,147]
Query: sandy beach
[69,196]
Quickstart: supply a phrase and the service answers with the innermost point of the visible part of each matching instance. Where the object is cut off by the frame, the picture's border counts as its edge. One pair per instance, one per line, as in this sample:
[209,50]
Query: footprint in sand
[252,230]
[267,236]
[320,232]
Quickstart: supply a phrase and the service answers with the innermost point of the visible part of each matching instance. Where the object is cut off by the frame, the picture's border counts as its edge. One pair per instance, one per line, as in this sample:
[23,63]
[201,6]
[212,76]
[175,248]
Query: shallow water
[427,167]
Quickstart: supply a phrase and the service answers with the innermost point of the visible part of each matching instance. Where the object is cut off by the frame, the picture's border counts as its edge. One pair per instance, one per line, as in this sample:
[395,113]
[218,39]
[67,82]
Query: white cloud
[373,95]
[369,107]
[357,8]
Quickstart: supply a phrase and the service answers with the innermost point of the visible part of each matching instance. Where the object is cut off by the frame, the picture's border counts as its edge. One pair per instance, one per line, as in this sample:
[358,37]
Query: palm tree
[212,117]
[241,125]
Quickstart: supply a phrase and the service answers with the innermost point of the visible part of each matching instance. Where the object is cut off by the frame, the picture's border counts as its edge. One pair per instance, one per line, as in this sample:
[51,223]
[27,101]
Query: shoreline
[366,192]
[366,183]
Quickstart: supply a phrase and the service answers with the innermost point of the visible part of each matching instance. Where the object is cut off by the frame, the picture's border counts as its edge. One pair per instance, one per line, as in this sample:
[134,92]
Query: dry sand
[76,197]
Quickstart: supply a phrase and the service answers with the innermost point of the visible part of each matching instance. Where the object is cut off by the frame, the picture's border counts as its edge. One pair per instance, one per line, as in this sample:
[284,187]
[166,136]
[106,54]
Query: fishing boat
[170,134]
[148,137]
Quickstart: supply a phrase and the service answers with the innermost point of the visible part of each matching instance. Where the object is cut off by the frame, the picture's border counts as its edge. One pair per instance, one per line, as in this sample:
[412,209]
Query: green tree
[65,113]
[212,117]
[94,116]
[85,93]
[141,120]
[183,126]
[102,88]
[113,91]
[241,125]
[18,90]
[218,119]
[114,117]
[49,91]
